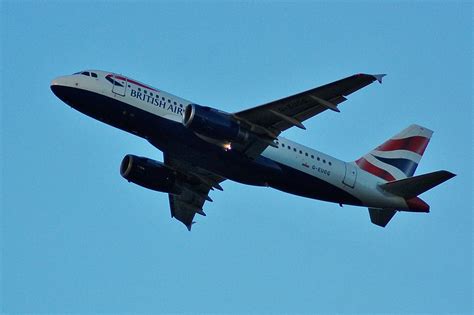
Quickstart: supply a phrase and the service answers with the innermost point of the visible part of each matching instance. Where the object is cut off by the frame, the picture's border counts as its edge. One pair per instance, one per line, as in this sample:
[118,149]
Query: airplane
[204,146]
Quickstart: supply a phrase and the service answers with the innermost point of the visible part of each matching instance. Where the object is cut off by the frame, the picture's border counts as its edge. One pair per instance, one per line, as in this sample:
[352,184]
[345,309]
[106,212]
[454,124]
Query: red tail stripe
[369,167]
[415,144]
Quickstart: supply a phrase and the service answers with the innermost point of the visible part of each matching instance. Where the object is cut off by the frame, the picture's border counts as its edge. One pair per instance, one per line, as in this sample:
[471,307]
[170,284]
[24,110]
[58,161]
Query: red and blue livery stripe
[399,156]
[374,170]
[416,144]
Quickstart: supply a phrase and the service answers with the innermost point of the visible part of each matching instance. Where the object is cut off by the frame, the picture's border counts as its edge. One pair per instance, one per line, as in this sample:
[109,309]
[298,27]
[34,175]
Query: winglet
[379,77]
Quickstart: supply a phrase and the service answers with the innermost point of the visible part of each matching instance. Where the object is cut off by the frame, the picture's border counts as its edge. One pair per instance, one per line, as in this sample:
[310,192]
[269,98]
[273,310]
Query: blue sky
[76,237]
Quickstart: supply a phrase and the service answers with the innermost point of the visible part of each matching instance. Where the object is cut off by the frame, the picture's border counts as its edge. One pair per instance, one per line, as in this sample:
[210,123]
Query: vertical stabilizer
[398,157]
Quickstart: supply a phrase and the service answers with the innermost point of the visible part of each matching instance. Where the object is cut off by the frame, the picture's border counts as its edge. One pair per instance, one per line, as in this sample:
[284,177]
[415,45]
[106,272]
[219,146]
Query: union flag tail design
[398,157]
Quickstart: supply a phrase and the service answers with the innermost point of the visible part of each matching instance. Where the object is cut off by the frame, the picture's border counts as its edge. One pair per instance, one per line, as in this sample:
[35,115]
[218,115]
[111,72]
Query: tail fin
[398,157]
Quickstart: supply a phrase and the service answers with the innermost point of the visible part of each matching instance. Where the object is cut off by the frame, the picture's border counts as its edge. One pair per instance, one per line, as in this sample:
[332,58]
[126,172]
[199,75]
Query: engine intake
[149,173]
[212,123]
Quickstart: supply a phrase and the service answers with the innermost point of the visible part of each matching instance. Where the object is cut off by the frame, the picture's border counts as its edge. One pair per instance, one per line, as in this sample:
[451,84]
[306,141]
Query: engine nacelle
[149,173]
[212,123]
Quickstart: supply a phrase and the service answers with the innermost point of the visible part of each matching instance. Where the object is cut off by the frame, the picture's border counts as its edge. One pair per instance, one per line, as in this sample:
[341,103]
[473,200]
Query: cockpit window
[87,73]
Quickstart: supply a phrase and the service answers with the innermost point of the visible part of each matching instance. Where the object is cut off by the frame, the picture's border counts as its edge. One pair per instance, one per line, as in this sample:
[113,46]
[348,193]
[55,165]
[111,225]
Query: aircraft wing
[195,184]
[270,119]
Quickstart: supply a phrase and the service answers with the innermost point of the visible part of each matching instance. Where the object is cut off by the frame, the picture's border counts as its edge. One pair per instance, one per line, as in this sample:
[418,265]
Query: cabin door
[351,175]
[120,85]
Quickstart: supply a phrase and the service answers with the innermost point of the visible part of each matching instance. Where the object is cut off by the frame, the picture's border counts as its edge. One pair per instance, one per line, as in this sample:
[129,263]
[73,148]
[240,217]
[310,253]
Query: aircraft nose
[54,82]
[55,86]
[59,81]
[59,86]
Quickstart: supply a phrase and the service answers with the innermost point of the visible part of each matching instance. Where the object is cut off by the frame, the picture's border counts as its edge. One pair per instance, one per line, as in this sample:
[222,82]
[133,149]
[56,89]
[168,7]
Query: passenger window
[312,156]
[294,149]
[283,145]
[306,154]
[301,152]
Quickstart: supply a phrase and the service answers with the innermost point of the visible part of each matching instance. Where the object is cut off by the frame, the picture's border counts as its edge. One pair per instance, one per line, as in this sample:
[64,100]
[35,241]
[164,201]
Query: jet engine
[149,173]
[214,124]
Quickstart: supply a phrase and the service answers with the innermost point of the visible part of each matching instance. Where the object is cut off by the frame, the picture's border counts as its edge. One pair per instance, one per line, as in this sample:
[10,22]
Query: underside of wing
[195,184]
[269,120]
[290,111]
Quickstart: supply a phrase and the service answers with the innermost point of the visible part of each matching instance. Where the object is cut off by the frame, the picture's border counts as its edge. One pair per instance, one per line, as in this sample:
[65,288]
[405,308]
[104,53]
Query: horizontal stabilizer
[381,217]
[413,186]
